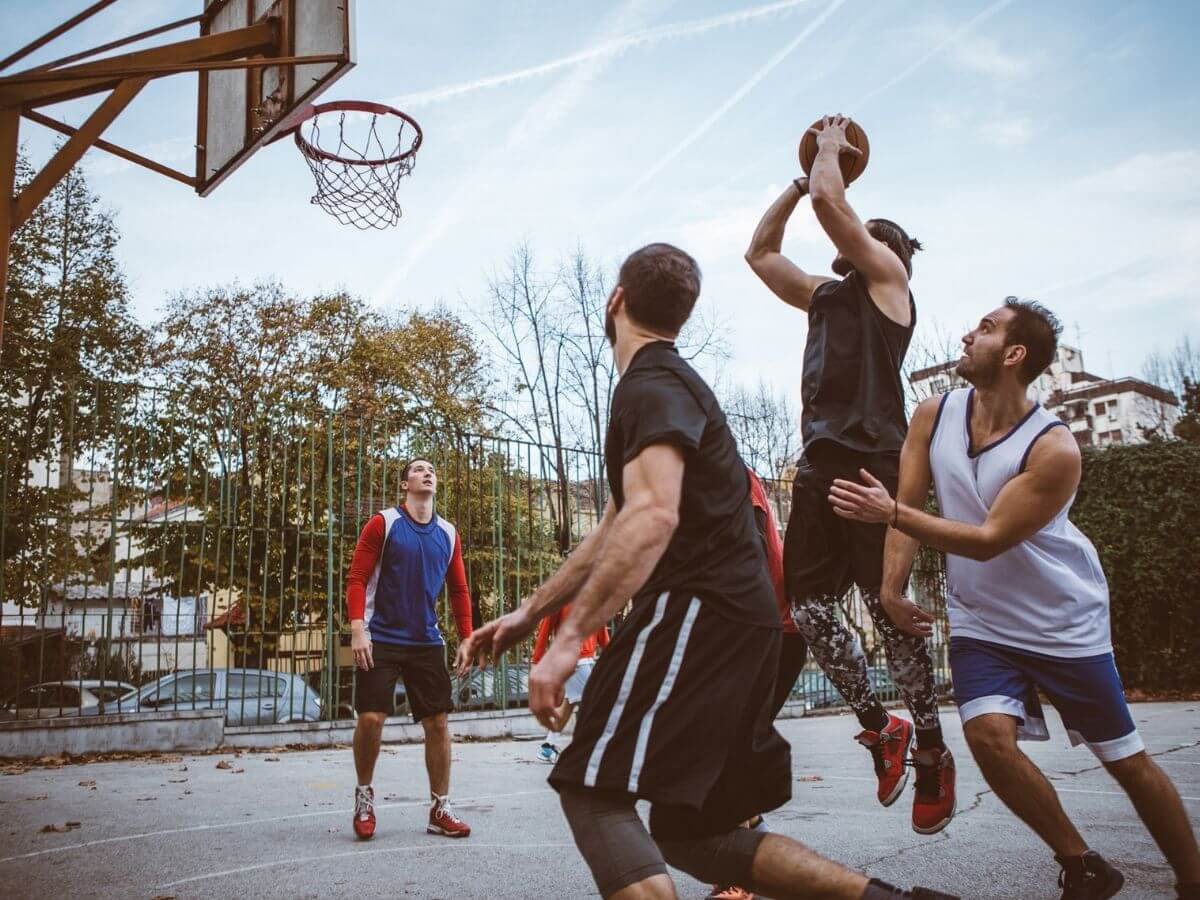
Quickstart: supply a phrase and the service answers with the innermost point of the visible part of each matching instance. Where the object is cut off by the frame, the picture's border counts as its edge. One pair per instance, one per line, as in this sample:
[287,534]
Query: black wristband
[799,186]
[896,514]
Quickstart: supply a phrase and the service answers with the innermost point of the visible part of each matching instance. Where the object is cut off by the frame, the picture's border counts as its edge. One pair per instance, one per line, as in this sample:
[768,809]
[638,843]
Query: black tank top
[852,391]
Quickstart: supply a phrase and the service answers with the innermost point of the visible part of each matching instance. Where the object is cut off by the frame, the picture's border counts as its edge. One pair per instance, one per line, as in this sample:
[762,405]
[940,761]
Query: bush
[1140,506]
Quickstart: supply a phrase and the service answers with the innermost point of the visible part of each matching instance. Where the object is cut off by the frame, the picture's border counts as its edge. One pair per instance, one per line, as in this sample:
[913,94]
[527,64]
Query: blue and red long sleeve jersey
[397,573]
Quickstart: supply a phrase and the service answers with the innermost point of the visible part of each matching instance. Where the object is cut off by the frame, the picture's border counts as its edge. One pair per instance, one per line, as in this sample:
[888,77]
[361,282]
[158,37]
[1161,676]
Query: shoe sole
[434,829]
[934,829]
[903,782]
[1116,885]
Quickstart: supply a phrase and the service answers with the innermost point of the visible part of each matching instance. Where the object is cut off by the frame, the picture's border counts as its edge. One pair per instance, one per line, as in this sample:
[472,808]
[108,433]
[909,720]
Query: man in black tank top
[859,329]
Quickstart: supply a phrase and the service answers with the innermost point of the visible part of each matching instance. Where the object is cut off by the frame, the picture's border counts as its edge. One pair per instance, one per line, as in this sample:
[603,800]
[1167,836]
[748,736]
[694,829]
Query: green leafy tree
[69,337]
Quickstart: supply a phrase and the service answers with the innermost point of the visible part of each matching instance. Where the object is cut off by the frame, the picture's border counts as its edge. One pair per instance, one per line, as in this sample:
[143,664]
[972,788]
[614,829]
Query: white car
[80,697]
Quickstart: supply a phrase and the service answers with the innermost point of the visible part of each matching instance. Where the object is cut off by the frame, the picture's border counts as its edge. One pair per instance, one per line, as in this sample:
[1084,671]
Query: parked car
[248,696]
[479,689]
[80,697]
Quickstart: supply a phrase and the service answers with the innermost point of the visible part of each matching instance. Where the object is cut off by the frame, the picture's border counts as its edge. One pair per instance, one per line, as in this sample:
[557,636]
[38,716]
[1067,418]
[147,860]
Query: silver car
[78,697]
[248,696]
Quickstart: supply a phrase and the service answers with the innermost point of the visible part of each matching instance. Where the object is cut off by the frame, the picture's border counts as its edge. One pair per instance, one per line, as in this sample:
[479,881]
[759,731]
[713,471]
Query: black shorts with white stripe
[678,712]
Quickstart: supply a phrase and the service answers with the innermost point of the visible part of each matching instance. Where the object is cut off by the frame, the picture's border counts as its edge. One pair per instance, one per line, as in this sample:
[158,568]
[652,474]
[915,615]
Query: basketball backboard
[241,110]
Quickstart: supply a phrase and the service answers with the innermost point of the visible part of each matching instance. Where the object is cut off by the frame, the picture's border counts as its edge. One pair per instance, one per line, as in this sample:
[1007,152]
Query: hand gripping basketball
[852,163]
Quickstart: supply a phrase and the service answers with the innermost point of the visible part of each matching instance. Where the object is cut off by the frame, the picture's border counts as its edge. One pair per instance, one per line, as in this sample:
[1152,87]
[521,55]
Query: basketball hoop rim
[313,110]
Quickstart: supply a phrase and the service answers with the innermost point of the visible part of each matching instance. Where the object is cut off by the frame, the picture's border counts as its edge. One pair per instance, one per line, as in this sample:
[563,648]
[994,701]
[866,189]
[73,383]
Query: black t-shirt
[715,552]
[852,391]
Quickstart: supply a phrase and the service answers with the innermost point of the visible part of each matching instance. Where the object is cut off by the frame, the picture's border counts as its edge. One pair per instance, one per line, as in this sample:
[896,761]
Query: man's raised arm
[788,281]
[886,275]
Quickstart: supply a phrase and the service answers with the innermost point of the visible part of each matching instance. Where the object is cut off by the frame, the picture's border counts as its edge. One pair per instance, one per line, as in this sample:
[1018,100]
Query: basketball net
[358,179]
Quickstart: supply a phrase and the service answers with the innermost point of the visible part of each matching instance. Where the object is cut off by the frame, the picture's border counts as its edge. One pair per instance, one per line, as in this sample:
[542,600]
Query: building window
[1114,437]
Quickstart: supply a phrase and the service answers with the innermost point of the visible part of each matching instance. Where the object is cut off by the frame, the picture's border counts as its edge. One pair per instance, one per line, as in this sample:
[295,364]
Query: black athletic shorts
[426,680]
[678,712]
[823,554]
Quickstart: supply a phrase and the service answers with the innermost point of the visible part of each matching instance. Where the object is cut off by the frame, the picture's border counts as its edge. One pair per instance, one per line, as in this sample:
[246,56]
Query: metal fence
[160,553]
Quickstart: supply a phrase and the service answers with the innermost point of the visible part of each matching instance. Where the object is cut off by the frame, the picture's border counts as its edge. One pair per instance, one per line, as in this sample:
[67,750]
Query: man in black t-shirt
[678,709]
[853,419]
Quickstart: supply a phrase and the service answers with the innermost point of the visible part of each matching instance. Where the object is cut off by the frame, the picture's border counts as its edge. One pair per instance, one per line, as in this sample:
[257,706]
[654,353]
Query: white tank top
[1047,594]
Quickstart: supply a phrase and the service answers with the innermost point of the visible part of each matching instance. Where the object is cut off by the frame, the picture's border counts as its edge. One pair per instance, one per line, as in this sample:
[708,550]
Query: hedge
[1140,506]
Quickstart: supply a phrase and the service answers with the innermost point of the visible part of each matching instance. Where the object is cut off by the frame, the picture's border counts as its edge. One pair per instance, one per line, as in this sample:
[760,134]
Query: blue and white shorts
[1087,692]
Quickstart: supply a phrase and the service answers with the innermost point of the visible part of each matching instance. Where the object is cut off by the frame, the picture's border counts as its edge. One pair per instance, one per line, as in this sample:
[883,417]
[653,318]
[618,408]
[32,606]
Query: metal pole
[330,651]
[10,124]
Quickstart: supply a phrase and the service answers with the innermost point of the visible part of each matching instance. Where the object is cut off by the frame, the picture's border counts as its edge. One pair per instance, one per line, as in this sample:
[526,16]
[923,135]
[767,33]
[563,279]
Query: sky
[1046,150]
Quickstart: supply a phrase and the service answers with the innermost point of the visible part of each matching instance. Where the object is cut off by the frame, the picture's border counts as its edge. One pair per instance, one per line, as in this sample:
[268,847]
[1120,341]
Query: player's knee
[991,737]
[1131,769]
[436,725]
[371,721]
[722,859]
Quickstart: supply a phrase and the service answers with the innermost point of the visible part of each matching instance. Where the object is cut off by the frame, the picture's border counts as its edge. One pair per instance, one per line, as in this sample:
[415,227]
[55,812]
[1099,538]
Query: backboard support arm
[55,32]
[10,124]
[115,149]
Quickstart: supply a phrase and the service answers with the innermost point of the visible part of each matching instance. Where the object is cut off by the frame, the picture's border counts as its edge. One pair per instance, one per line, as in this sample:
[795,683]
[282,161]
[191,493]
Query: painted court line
[304,860]
[244,822]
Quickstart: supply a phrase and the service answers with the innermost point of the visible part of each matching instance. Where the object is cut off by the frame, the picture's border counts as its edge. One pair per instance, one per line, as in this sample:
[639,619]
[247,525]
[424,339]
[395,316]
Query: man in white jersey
[1026,597]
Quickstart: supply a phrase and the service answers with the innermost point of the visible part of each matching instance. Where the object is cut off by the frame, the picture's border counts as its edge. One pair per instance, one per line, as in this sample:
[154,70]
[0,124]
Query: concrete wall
[204,729]
[201,729]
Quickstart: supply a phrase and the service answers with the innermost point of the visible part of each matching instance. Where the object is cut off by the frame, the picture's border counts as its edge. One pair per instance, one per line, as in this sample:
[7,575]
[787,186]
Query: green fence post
[327,698]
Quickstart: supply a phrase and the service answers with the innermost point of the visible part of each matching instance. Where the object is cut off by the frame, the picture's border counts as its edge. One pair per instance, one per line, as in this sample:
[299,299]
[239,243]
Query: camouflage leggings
[838,653]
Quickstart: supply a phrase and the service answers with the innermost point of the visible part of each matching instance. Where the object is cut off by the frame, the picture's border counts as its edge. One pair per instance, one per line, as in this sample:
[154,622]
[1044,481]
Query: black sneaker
[1088,877]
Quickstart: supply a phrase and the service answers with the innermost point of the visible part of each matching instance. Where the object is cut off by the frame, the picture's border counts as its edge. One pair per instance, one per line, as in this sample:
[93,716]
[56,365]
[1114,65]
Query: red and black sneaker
[443,821]
[364,812]
[934,801]
[889,751]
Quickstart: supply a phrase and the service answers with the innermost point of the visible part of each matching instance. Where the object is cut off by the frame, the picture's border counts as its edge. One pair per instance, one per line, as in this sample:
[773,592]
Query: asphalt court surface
[278,824]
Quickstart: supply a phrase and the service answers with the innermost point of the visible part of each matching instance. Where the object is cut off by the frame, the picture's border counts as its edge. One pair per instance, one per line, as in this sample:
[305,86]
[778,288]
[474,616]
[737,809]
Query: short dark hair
[661,284]
[1036,329]
[896,238]
[408,465]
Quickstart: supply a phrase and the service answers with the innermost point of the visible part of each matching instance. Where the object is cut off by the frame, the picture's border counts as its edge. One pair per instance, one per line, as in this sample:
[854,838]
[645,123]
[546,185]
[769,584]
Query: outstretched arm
[639,536]
[488,642]
[788,281]
[885,274]
[1026,505]
[900,549]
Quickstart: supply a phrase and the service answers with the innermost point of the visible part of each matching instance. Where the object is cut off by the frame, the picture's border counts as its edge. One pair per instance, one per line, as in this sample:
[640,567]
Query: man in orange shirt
[573,692]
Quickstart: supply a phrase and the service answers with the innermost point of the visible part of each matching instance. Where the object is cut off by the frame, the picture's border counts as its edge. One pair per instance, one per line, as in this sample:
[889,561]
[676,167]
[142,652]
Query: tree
[1175,370]
[69,338]
[1188,426]
[766,427]
[556,370]
[283,422]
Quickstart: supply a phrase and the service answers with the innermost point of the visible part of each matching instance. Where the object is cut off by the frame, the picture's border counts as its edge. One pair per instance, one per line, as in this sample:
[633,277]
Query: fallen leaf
[39,797]
[238,771]
[90,784]
[224,765]
[143,799]
[60,829]
[177,780]
[810,778]
[271,759]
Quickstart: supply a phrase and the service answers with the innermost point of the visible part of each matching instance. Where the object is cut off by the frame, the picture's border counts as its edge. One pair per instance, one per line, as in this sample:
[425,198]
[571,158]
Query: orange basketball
[852,166]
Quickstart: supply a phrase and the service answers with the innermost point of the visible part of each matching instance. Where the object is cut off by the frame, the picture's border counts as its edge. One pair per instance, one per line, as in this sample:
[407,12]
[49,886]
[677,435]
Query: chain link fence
[159,554]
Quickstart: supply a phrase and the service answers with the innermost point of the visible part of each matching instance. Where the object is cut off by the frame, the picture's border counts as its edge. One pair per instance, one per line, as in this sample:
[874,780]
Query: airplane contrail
[952,38]
[749,85]
[646,38]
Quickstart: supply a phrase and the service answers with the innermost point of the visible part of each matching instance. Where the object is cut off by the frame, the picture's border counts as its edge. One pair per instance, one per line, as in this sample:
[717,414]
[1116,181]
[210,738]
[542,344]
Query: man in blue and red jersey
[404,556]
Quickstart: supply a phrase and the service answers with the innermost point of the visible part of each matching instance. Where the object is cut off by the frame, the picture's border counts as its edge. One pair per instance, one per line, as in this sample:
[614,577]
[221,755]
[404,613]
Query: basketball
[852,166]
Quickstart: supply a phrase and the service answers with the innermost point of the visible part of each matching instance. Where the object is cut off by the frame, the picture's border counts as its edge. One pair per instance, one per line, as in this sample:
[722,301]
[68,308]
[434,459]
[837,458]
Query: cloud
[1007,132]
[985,56]
[733,99]
[1172,173]
[601,51]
